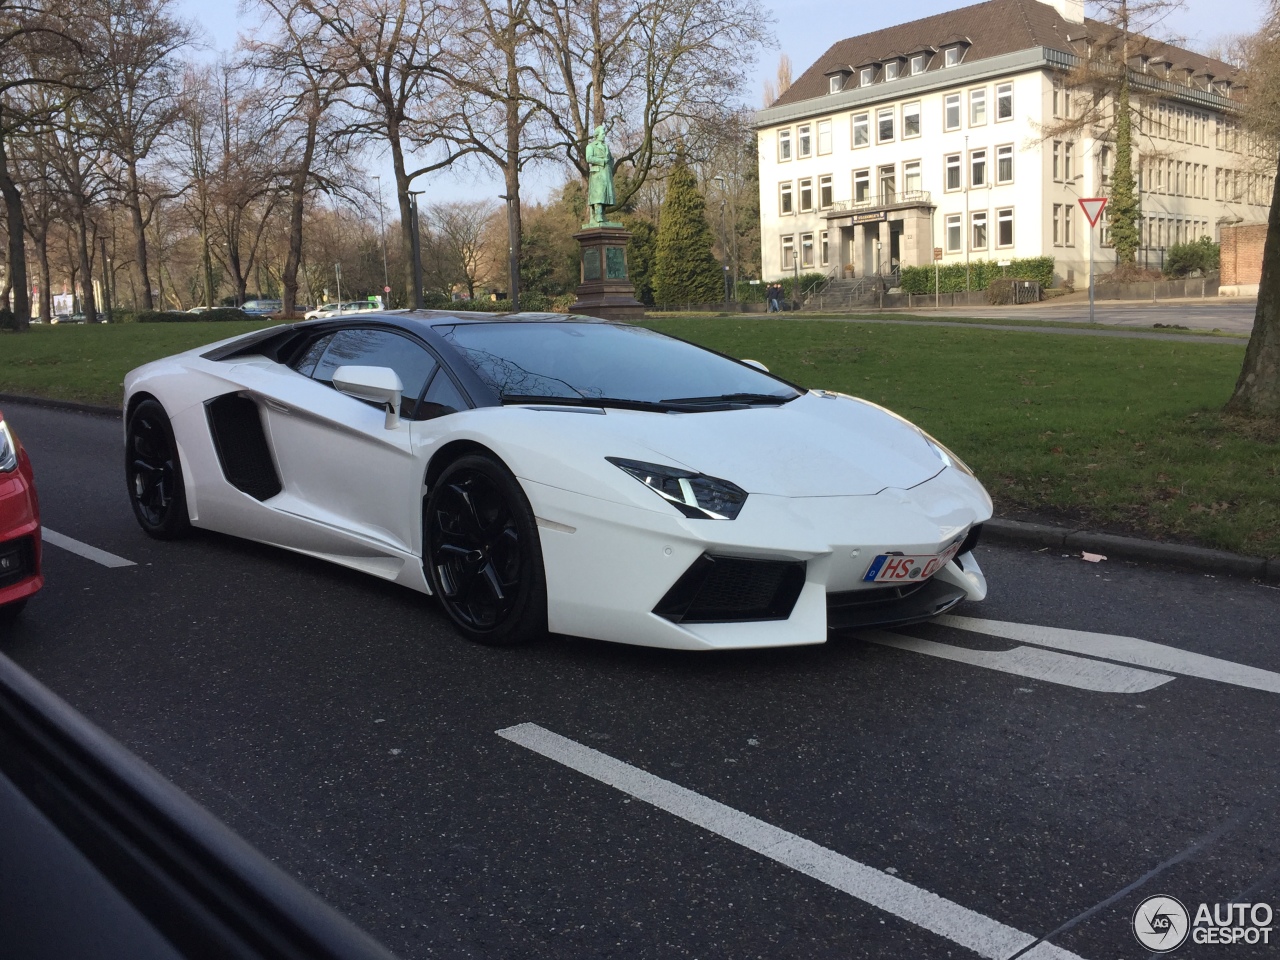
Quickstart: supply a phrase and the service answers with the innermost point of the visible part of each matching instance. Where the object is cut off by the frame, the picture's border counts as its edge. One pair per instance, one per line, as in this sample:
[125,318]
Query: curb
[1131,548]
[994,530]
[96,409]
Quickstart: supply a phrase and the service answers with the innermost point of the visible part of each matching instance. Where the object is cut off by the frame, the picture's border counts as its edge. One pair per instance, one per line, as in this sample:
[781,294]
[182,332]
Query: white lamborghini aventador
[545,472]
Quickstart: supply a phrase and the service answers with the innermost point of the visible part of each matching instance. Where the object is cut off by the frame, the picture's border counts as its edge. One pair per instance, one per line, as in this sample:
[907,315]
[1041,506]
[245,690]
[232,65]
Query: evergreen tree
[684,269]
[640,252]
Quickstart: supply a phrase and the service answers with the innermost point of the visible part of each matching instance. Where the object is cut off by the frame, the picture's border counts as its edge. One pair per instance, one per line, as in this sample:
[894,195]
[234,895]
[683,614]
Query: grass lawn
[88,363]
[1121,433]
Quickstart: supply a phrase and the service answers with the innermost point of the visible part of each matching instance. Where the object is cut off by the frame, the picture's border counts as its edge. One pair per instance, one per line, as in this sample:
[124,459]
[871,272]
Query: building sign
[870,217]
[937,253]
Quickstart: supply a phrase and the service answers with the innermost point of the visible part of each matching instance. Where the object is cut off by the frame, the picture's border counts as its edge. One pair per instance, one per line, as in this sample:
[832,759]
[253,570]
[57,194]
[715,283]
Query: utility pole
[513,255]
[416,250]
[724,237]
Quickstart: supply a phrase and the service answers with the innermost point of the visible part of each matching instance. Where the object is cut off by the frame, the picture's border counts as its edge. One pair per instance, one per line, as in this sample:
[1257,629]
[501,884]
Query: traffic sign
[386,289]
[937,253]
[1092,207]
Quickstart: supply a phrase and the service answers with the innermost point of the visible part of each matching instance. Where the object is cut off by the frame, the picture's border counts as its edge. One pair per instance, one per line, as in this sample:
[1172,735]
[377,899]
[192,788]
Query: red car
[19,526]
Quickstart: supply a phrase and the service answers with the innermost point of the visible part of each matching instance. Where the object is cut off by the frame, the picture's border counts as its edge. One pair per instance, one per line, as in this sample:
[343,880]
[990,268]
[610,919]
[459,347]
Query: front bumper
[20,544]
[611,568]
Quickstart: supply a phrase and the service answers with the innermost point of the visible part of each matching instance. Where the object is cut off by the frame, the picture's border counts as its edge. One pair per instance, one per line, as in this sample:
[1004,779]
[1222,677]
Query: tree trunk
[42,261]
[408,223]
[87,303]
[133,200]
[17,273]
[1257,391]
[297,197]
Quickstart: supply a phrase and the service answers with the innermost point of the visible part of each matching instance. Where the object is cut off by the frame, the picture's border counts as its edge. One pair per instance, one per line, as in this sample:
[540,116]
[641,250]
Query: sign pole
[1091,273]
[1092,207]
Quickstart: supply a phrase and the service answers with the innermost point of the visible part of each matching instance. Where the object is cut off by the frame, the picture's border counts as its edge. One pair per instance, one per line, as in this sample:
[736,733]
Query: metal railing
[905,198]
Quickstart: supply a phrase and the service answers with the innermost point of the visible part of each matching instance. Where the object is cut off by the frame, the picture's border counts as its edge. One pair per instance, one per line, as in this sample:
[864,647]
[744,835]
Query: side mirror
[755,363]
[380,385]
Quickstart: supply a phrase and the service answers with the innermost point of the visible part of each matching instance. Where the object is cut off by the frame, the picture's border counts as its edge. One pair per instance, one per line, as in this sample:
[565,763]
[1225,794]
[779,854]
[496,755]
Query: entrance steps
[845,294]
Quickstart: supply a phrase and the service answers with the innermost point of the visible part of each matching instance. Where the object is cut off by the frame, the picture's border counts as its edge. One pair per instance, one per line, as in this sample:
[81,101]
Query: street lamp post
[382,227]
[795,287]
[967,233]
[724,237]
[415,249]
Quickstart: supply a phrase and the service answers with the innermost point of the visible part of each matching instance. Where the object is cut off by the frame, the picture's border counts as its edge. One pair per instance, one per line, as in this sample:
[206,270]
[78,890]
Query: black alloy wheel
[154,474]
[483,557]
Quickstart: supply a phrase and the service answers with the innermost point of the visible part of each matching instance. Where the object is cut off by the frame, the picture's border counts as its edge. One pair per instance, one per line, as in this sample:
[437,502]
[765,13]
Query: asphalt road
[1227,314]
[717,806]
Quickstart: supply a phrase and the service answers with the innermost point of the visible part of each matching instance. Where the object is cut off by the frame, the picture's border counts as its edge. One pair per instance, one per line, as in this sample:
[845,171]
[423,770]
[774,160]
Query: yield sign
[1092,207]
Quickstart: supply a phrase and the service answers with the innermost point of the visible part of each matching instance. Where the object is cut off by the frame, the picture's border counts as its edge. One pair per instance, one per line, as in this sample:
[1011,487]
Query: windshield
[571,361]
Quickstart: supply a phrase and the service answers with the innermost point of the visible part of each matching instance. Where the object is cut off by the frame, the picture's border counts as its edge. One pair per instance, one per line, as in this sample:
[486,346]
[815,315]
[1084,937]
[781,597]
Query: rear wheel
[154,473]
[482,554]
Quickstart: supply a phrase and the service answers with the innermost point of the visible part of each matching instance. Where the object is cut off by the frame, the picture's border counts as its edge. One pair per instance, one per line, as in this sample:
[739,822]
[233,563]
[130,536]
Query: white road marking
[1139,653]
[984,936]
[1036,664]
[84,550]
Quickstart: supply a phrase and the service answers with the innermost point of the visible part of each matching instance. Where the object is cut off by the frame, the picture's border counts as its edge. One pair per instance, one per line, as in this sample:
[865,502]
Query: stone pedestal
[606,290]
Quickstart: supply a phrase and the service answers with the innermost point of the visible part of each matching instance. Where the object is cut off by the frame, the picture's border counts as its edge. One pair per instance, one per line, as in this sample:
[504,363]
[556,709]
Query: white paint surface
[1036,664]
[83,549]
[984,936]
[1140,653]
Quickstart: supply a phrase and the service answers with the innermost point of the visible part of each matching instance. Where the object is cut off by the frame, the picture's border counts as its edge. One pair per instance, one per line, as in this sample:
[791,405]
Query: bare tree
[135,99]
[461,238]
[774,89]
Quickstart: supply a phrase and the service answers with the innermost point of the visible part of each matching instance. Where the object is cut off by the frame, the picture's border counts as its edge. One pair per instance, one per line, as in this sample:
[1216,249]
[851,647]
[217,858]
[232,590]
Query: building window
[861,185]
[953,56]
[955,229]
[1068,218]
[861,130]
[954,179]
[804,140]
[825,193]
[1004,164]
[911,177]
[977,107]
[1057,161]
[788,252]
[1068,151]
[806,249]
[1004,102]
[888,183]
[884,125]
[835,84]
[824,248]
[891,70]
[1004,227]
[951,112]
[784,145]
[866,76]
[1057,224]
[979,241]
[824,137]
[978,168]
[911,119]
[784,199]
[806,195]
[917,64]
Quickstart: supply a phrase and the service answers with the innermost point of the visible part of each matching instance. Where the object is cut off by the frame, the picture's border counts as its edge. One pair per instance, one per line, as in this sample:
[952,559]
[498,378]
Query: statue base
[606,290]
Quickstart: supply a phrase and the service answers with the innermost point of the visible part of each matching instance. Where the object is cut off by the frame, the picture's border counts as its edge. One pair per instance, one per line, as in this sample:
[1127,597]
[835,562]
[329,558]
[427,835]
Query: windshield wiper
[730,399]
[616,403]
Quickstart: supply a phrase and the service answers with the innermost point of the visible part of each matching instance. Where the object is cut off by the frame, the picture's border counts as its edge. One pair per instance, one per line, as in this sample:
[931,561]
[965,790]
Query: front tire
[482,553]
[154,473]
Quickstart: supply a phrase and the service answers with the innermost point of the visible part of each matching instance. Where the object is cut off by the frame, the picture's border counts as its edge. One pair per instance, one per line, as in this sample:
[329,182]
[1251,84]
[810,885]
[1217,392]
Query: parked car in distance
[198,310]
[342,309]
[262,308]
[68,318]
[20,575]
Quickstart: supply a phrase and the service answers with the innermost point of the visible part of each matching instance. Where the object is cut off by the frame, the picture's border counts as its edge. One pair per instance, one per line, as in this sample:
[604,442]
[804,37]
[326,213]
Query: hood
[818,445]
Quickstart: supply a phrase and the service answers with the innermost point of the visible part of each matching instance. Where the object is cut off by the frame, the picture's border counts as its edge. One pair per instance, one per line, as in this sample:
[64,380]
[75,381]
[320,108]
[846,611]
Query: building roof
[992,28]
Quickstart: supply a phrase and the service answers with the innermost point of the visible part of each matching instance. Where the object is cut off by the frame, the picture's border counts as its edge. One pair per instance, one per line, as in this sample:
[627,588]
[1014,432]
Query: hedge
[217,314]
[951,277]
[754,292]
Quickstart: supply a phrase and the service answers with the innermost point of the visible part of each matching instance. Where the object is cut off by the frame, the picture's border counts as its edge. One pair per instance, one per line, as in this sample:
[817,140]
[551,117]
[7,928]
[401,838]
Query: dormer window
[953,56]
[866,76]
[835,84]
[891,70]
[917,64]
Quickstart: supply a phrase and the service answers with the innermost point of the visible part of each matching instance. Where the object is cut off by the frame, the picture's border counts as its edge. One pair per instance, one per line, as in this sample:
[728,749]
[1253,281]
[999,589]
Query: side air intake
[236,425]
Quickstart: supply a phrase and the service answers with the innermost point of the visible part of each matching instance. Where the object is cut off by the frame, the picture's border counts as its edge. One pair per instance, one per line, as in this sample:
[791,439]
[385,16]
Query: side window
[379,348]
[442,398]
[306,364]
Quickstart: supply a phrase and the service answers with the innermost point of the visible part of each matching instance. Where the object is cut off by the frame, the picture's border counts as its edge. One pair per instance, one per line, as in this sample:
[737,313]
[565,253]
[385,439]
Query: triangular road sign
[1092,207]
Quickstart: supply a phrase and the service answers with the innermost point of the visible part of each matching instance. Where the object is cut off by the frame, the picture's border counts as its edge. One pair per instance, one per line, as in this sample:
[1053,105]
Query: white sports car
[547,472]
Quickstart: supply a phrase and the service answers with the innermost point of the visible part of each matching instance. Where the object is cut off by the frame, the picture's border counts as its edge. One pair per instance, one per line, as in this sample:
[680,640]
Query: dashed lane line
[1033,663]
[1139,653]
[84,550]
[984,936]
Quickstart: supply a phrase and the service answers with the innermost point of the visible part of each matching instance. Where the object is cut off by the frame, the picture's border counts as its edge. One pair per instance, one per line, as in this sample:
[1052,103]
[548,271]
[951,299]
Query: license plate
[900,568]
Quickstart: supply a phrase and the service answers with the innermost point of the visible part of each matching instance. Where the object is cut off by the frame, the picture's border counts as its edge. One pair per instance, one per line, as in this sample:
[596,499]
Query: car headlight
[694,494]
[8,450]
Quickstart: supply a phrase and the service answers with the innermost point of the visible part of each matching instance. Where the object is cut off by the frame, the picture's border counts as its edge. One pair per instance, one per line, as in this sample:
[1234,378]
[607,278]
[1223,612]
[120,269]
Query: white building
[932,135]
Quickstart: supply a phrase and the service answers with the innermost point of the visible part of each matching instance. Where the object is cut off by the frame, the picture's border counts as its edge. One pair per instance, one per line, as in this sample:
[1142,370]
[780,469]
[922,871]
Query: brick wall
[1242,253]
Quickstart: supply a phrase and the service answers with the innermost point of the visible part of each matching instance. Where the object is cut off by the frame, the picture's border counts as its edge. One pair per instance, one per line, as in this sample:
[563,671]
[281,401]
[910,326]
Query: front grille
[734,590]
[891,605]
[17,560]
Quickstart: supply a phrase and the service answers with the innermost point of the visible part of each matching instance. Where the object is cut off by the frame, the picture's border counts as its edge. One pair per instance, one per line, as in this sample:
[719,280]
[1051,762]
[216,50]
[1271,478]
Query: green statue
[600,183]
